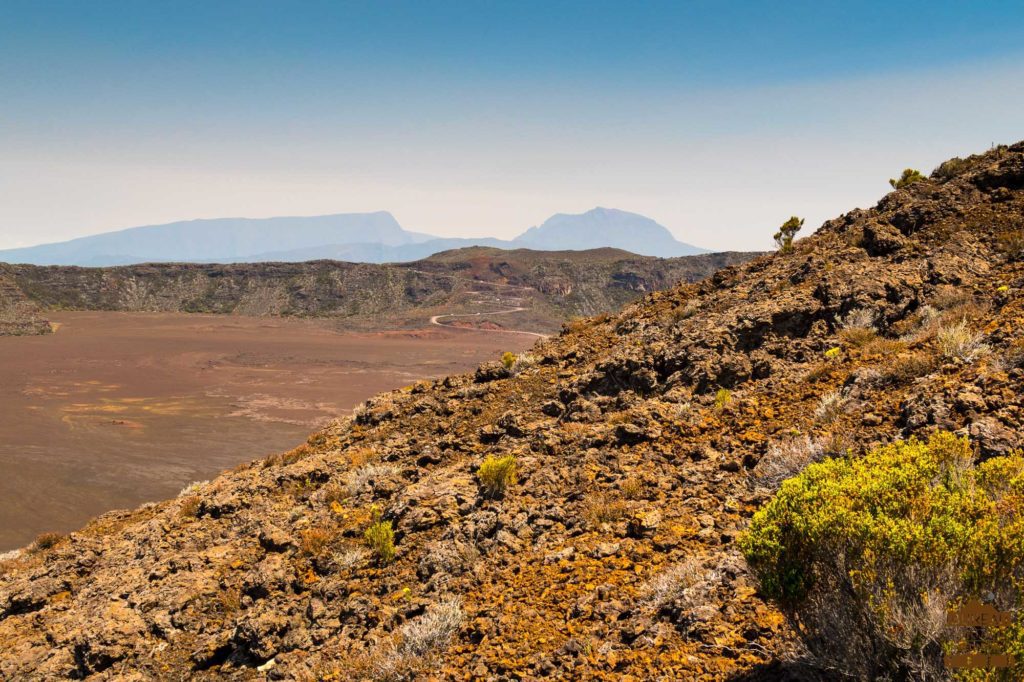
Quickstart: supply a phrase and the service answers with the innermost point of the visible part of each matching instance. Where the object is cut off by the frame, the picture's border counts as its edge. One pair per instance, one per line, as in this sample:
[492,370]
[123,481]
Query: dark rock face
[611,551]
[19,316]
[556,286]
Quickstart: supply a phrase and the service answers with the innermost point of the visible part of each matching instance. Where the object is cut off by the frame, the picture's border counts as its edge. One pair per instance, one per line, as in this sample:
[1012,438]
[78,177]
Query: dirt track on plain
[119,408]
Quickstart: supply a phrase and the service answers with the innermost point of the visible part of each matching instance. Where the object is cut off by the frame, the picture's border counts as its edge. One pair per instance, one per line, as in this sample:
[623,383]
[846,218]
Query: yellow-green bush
[508,359]
[865,555]
[722,398]
[909,177]
[380,538]
[496,474]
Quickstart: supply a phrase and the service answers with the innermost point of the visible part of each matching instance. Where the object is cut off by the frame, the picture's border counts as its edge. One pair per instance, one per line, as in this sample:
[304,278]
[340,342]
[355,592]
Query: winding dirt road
[436,320]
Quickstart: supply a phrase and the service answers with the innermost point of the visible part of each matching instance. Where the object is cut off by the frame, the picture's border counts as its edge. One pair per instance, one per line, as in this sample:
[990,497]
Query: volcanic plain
[115,408]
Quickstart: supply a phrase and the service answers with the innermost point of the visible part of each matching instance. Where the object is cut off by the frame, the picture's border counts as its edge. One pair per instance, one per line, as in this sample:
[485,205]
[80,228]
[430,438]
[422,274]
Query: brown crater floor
[116,409]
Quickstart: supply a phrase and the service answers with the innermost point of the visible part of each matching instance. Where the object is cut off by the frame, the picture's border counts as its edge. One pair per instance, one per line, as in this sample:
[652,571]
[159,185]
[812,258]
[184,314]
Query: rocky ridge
[638,439]
[556,285]
[18,315]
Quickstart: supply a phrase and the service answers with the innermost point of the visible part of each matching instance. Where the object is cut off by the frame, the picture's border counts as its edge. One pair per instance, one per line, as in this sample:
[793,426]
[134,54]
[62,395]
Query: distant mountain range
[354,237]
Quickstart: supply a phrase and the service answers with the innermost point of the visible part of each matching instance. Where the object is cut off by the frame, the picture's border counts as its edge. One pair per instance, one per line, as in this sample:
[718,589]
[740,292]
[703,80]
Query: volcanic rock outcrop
[637,440]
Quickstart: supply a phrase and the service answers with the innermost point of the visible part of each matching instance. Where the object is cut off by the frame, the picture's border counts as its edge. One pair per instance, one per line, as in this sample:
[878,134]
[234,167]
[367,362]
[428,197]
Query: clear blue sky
[718,119]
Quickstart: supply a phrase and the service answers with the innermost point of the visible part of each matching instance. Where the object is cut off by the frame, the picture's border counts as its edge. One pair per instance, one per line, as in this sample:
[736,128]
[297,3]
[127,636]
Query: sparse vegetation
[496,474]
[632,488]
[909,177]
[230,600]
[523,362]
[366,476]
[1012,357]
[858,318]
[685,312]
[959,341]
[882,347]
[189,507]
[787,232]
[418,639]
[1011,243]
[380,538]
[722,398]
[604,508]
[314,541]
[46,541]
[864,555]
[682,587]
[785,459]
[348,558]
[192,488]
[820,371]
[433,630]
[901,370]
[649,460]
[947,170]
[285,458]
[332,495]
[830,407]
[857,327]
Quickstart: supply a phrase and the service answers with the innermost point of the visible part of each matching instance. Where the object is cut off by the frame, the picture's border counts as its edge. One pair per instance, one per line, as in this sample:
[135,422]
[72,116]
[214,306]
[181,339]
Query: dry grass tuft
[604,508]
[830,407]
[348,558]
[686,585]
[522,363]
[189,508]
[433,630]
[192,488]
[314,541]
[419,638]
[786,459]
[959,341]
[632,488]
[47,541]
[366,476]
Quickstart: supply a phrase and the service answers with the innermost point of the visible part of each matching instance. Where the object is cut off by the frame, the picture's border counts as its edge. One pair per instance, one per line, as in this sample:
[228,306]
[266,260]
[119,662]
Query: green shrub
[380,538]
[722,398]
[784,237]
[864,556]
[909,177]
[508,359]
[496,474]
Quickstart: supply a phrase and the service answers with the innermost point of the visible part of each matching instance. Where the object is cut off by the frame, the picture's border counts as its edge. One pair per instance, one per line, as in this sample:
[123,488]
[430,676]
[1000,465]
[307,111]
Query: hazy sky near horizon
[717,119]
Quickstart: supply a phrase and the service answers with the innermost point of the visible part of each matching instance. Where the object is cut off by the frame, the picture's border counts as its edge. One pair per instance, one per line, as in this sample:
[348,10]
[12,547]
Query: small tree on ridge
[784,237]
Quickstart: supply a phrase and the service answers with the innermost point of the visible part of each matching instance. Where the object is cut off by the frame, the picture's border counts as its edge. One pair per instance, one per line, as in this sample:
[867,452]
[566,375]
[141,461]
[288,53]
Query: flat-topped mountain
[574,513]
[353,237]
[605,227]
[225,239]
